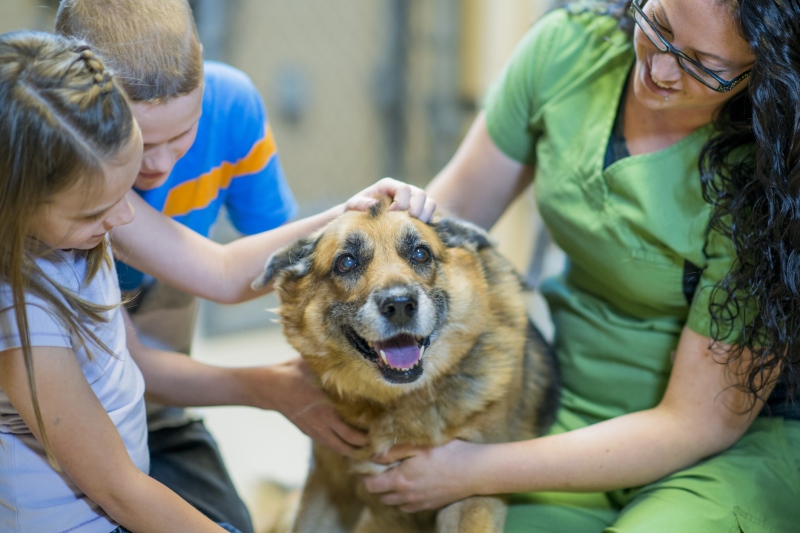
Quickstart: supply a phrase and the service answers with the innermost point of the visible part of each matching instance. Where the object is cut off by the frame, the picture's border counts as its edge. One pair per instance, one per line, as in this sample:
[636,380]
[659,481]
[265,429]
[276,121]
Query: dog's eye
[421,254]
[346,263]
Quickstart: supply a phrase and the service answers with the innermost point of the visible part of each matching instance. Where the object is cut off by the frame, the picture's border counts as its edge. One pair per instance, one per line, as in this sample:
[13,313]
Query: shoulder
[566,50]
[65,269]
[218,74]
[231,98]
[60,270]
[225,84]
[577,34]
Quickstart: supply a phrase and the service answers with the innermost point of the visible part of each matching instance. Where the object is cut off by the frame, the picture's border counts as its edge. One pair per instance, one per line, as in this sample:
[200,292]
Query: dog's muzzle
[399,359]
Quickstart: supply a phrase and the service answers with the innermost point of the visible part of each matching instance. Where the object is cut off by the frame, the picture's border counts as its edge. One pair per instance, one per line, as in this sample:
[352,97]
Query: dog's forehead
[366,230]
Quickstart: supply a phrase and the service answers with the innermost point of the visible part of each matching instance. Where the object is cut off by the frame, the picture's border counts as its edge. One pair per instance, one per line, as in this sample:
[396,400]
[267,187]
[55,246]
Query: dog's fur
[384,280]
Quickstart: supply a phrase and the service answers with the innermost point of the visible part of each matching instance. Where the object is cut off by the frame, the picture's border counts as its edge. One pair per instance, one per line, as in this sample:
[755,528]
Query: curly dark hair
[750,172]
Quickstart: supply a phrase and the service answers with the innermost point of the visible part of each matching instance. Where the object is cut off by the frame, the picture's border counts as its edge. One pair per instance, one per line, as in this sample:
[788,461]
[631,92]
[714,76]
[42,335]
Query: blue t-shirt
[233,162]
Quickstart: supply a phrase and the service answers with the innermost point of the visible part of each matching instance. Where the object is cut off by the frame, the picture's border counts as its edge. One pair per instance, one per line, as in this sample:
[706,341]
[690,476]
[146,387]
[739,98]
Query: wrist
[257,386]
[486,478]
[335,211]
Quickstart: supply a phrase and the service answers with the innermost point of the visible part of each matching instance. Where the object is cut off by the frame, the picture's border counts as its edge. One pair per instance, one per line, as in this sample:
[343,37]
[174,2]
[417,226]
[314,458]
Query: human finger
[380,484]
[349,434]
[428,209]
[359,203]
[416,201]
[396,453]
[401,196]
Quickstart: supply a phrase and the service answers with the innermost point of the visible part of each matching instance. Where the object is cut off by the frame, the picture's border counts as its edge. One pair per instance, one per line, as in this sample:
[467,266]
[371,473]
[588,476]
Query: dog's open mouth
[399,358]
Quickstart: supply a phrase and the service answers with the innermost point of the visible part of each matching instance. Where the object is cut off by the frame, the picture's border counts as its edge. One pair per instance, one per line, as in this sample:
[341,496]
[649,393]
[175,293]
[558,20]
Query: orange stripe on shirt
[204,189]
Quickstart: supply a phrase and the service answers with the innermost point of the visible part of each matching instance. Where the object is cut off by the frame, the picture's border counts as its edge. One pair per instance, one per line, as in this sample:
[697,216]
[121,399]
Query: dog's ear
[456,233]
[294,259]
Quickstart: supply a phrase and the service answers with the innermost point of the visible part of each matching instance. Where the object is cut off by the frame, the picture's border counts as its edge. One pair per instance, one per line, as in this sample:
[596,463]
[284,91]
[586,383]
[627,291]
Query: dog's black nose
[398,309]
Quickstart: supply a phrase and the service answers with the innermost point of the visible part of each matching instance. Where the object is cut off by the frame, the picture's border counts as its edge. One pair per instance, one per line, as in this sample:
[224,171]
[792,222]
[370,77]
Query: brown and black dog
[419,334]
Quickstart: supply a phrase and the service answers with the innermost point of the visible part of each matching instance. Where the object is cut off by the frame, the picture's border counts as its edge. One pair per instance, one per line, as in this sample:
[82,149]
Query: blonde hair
[151,45]
[62,116]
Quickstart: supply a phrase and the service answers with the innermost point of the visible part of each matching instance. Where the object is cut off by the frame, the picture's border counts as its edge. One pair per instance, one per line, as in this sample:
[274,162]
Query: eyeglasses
[692,67]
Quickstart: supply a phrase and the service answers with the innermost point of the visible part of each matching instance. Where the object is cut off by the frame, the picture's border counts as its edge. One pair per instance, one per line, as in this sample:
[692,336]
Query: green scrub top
[628,230]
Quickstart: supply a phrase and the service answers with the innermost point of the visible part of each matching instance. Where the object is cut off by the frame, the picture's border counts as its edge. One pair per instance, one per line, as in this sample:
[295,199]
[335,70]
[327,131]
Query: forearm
[88,446]
[190,262]
[175,379]
[627,451]
[166,511]
[700,414]
[243,260]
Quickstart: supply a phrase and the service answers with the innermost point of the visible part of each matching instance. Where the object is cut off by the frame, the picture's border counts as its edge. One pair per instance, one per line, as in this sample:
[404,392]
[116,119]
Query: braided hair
[55,95]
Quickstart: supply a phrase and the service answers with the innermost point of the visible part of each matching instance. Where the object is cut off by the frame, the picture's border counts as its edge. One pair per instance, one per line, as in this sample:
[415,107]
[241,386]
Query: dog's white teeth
[421,352]
[383,357]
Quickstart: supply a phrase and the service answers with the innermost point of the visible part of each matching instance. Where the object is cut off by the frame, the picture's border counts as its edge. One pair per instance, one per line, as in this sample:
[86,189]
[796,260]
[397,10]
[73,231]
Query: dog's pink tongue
[400,352]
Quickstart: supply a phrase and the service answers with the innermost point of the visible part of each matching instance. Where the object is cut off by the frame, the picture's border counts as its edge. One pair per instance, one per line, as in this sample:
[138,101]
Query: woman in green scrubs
[652,435]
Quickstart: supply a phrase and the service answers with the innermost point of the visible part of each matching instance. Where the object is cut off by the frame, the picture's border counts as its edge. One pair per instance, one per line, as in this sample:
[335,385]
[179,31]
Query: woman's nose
[664,68]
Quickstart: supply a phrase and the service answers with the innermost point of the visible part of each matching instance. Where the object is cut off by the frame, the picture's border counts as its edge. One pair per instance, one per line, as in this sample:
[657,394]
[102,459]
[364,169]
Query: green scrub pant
[753,487]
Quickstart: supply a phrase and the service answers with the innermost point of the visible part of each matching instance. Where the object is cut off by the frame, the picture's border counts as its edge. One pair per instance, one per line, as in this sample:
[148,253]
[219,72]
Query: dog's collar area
[389,373]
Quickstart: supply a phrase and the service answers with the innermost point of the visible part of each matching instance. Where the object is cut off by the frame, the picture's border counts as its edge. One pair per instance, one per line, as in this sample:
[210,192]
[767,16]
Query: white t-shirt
[33,496]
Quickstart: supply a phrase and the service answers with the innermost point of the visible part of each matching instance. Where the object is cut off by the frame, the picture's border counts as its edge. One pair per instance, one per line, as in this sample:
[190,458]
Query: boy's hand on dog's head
[405,197]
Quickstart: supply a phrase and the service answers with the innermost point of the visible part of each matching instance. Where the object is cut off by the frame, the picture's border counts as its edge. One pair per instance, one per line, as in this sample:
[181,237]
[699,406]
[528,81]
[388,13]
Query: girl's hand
[300,400]
[426,478]
[404,196]
[287,387]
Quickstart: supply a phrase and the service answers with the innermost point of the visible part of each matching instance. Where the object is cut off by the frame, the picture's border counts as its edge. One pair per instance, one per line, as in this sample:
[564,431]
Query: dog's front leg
[328,503]
[478,514]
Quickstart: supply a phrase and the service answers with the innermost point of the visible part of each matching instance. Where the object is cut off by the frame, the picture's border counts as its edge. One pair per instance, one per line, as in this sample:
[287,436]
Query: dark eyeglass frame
[665,46]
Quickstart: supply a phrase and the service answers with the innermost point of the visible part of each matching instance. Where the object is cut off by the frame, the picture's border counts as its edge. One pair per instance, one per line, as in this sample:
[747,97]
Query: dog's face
[378,302]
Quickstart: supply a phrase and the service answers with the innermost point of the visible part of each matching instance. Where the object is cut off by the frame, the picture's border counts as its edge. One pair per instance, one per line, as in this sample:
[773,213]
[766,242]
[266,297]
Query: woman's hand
[404,196]
[426,478]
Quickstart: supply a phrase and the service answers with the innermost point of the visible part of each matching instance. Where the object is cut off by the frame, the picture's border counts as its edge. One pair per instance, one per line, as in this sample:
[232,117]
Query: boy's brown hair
[151,45]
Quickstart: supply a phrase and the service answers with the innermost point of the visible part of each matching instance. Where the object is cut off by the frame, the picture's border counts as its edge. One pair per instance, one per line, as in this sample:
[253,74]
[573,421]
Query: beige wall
[27,15]
[492,28]
[332,45]
[336,147]
[332,49]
